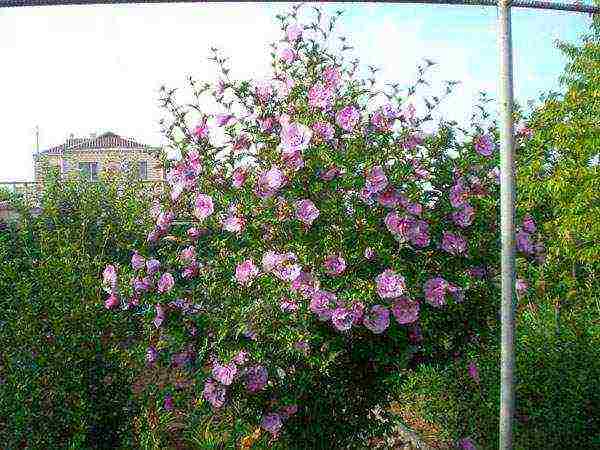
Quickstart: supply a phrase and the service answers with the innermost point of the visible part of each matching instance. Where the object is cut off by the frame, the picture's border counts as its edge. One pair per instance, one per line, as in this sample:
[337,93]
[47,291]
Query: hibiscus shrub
[65,369]
[314,244]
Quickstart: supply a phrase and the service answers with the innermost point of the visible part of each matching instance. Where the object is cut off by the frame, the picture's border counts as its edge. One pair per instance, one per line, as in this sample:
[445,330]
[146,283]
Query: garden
[320,270]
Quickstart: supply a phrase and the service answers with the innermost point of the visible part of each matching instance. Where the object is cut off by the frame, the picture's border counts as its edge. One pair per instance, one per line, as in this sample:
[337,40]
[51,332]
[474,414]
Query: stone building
[92,155]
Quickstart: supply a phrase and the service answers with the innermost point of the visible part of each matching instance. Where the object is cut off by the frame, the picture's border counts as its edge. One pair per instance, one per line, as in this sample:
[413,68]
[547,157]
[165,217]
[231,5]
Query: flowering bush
[314,241]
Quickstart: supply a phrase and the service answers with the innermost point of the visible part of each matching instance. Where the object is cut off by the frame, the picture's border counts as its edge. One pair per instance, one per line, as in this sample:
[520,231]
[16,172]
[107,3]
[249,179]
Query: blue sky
[91,69]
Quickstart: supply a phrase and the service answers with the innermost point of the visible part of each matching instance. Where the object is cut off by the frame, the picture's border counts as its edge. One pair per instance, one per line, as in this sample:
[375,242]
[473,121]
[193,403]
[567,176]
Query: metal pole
[507,225]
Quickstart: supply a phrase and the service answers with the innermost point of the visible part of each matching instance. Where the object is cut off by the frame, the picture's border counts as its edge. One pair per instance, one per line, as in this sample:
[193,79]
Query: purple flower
[330,174]
[399,226]
[466,444]
[375,181]
[415,336]
[529,224]
[241,358]
[203,206]
[288,305]
[322,304]
[323,130]
[458,195]
[464,216]
[389,198]
[334,265]
[257,378]
[214,393]
[302,346]
[380,121]
[390,284]
[435,291]
[305,284]
[201,130]
[320,96]
[306,211]
[473,371]
[484,144]
[263,91]
[193,233]
[165,283]
[347,118]
[295,137]
[112,301]
[164,220]
[419,234]
[245,272]
[521,286]
[369,253]
[405,310]
[476,272]
[453,243]
[342,318]
[152,266]
[272,423]
[110,276]
[524,243]
[377,319]
[151,355]
[160,316]
[332,76]
[288,411]
[188,254]
[137,261]
[270,182]
[224,374]
[168,402]
[293,32]
[224,119]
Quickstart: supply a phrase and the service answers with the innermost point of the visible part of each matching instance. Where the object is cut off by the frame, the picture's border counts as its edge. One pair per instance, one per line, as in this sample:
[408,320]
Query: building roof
[101,142]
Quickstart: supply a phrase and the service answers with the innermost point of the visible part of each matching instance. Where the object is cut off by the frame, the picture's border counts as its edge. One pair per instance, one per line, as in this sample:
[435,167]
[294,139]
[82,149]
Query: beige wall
[106,157]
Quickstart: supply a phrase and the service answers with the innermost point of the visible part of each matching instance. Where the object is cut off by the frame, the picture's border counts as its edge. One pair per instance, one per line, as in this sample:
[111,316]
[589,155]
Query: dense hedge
[66,367]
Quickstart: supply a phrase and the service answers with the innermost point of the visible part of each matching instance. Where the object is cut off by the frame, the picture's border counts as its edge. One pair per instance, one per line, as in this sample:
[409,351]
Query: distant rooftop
[103,141]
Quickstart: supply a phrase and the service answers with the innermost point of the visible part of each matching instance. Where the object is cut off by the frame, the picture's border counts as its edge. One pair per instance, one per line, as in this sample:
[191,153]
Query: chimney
[71,136]
[93,135]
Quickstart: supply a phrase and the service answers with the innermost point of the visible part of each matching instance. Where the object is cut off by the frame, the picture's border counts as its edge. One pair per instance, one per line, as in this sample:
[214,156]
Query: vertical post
[507,225]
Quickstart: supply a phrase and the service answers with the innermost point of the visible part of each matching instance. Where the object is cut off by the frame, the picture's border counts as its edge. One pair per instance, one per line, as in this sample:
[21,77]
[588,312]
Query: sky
[91,69]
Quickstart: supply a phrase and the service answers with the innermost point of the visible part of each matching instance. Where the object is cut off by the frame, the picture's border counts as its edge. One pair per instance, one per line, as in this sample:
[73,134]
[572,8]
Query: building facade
[93,155]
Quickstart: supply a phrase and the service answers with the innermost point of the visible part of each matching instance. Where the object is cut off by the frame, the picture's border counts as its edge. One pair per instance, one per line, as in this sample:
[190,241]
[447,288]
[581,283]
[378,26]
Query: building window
[89,170]
[143,170]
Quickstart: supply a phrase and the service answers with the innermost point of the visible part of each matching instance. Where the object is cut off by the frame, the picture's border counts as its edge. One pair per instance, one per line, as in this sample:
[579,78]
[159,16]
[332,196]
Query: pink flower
[238,177]
[234,224]
[224,374]
[263,91]
[473,371]
[241,358]
[377,319]
[293,161]
[220,87]
[242,142]
[484,144]
[287,55]
[164,220]
[295,137]
[272,423]
[193,233]
[390,284]
[529,224]
[521,286]
[152,266]
[458,195]
[270,182]
[266,124]
[111,302]
[201,130]
[214,393]
[435,291]
[257,378]
[334,265]
[464,216]
[165,283]
[414,208]
[293,32]
[400,226]
[453,243]
[306,211]
[110,276]
[380,121]
[419,234]
[322,304]
[332,76]
[288,411]
[342,318]
[323,131]
[137,261]
[203,206]
[188,254]
[347,118]
[376,181]
[405,310]
[245,272]
[320,96]
[524,243]
[330,174]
